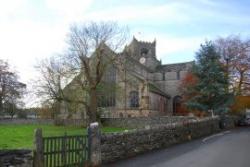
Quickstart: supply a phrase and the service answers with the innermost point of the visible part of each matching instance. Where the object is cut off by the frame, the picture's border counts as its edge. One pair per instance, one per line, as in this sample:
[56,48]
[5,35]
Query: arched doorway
[177,105]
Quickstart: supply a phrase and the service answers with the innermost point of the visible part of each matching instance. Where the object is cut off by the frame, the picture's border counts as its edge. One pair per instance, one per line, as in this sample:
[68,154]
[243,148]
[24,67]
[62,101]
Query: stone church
[146,87]
[150,87]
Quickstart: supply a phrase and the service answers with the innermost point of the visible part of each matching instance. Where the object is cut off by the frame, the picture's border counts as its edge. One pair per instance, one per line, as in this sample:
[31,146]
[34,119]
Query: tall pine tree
[210,92]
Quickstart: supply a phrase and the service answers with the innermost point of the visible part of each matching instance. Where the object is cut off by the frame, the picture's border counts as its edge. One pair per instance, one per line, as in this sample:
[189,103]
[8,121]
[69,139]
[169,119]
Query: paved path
[227,149]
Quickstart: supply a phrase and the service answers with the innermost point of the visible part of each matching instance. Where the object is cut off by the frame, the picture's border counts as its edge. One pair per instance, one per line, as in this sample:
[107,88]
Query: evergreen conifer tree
[211,89]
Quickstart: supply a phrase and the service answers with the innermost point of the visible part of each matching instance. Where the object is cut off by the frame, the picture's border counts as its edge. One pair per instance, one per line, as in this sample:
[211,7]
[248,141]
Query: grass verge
[22,136]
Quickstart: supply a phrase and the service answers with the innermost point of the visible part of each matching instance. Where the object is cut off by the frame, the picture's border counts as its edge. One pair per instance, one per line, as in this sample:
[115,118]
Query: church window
[106,99]
[144,51]
[178,75]
[134,99]
[163,76]
[107,91]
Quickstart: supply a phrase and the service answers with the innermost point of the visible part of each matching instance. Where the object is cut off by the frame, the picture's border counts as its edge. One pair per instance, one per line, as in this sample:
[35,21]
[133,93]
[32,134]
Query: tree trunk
[58,109]
[227,75]
[240,83]
[93,105]
[1,105]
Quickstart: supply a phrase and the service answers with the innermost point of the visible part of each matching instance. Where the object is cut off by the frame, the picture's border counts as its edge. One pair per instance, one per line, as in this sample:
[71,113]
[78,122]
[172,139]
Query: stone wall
[71,122]
[17,158]
[144,122]
[17,121]
[59,122]
[128,144]
[228,122]
[129,113]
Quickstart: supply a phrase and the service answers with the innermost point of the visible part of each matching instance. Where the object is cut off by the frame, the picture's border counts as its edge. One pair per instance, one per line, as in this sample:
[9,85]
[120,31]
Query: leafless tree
[92,48]
[76,76]
[235,54]
[11,89]
[52,79]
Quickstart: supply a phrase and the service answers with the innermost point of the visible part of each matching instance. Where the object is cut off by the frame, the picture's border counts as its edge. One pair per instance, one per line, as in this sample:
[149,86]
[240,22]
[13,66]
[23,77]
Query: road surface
[226,149]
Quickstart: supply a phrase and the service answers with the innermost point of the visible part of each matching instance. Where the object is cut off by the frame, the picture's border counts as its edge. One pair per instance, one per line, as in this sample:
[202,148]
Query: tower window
[144,51]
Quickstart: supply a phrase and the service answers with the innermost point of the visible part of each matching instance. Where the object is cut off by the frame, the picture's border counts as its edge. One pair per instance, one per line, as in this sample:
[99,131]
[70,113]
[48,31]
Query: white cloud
[25,38]
[9,8]
[24,42]
[167,45]
[168,12]
[171,45]
[70,10]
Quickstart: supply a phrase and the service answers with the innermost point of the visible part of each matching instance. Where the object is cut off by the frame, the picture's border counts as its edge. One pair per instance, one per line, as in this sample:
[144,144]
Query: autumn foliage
[240,104]
[188,80]
[186,83]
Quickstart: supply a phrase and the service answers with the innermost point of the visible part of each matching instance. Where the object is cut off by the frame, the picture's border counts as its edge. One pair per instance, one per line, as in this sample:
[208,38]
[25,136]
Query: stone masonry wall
[144,122]
[18,121]
[16,158]
[228,122]
[128,144]
[59,122]
[71,122]
[129,113]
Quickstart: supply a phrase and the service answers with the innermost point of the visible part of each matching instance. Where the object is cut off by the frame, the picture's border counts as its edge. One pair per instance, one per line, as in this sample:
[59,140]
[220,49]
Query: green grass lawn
[22,136]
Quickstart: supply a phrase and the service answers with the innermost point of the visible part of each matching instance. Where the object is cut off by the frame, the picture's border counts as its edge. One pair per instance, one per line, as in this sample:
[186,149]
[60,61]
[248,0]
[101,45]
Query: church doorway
[177,105]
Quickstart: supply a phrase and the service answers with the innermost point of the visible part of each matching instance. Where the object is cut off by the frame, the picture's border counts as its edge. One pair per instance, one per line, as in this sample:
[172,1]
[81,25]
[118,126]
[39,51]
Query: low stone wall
[17,121]
[128,144]
[228,122]
[17,158]
[71,122]
[128,113]
[144,122]
[59,122]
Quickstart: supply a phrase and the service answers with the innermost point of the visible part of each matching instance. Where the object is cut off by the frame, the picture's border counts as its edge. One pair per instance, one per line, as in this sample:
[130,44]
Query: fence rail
[61,151]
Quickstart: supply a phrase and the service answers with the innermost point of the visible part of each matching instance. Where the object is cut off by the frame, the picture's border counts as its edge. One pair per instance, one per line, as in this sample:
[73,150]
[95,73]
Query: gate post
[38,150]
[94,145]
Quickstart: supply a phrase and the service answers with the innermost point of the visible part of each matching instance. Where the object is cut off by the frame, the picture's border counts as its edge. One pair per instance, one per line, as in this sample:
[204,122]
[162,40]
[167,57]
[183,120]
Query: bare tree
[235,54]
[76,76]
[11,89]
[53,78]
[92,49]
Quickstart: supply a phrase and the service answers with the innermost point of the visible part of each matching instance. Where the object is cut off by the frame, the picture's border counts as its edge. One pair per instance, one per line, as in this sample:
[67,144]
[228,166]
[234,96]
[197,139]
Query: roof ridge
[178,63]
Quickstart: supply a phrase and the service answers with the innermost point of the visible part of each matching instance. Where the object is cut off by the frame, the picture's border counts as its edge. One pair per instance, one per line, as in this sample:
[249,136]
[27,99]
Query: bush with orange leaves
[187,83]
[241,103]
[185,88]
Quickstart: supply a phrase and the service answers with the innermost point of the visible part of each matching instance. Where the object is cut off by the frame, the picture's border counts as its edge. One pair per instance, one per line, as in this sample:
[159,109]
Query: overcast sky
[33,29]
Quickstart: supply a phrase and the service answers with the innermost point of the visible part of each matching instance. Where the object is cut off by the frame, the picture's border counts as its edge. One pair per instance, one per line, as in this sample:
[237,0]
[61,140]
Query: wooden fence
[60,151]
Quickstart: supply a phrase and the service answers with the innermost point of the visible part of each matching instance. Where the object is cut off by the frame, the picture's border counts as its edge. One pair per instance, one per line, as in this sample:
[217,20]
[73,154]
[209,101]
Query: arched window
[134,99]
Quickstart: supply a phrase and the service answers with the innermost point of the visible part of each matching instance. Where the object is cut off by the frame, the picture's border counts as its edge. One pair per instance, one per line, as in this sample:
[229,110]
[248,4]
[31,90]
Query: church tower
[144,53]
